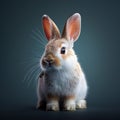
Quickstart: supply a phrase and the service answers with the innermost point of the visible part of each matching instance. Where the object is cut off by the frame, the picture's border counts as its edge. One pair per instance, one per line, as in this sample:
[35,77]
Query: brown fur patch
[68,97]
[52,97]
[57,62]
[53,45]
[78,69]
[69,53]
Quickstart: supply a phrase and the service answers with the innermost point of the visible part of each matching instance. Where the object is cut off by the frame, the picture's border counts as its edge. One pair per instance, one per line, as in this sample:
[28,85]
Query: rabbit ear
[50,29]
[72,27]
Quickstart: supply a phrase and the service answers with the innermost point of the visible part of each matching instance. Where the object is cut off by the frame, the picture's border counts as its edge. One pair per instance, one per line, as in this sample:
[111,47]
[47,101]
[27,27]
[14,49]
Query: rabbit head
[59,53]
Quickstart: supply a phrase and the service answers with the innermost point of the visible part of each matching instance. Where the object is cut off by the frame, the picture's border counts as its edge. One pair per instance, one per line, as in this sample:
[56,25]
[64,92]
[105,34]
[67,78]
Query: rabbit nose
[48,61]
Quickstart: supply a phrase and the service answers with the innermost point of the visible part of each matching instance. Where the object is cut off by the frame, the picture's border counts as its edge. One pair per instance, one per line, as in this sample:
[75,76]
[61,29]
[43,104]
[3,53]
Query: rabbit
[62,78]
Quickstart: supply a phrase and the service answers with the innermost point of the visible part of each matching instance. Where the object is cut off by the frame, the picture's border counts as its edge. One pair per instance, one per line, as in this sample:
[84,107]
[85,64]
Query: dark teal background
[98,50]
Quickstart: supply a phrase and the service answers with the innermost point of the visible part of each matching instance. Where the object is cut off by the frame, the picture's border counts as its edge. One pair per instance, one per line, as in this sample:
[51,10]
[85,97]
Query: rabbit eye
[63,50]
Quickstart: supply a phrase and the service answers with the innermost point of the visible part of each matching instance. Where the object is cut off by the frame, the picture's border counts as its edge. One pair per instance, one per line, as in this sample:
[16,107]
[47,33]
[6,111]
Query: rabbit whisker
[34,37]
[27,76]
[41,38]
[33,75]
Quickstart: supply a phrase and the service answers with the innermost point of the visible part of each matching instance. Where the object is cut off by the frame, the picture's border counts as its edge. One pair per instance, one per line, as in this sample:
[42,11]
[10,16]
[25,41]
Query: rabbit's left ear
[72,27]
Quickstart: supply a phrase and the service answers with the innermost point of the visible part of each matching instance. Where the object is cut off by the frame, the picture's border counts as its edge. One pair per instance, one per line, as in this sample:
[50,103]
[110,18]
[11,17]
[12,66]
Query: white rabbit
[62,79]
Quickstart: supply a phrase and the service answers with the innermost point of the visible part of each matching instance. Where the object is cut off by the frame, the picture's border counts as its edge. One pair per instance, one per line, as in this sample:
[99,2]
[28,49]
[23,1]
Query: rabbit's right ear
[50,29]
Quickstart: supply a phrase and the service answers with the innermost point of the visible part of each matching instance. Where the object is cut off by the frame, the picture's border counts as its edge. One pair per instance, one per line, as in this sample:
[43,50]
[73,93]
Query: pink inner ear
[73,28]
[47,28]
[74,31]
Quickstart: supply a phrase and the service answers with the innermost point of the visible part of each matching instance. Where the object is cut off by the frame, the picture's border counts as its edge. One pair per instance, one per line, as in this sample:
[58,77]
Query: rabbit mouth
[50,66]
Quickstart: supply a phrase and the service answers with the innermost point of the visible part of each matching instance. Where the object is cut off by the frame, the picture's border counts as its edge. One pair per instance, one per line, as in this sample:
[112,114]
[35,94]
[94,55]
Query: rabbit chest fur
[63,83]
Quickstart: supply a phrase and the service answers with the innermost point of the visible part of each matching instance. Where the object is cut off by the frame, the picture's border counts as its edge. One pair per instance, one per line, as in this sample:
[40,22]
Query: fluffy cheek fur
[68,60]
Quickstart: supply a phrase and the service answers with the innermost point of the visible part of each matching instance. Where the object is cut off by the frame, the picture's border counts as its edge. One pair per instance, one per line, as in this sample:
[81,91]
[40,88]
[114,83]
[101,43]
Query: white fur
[61,78]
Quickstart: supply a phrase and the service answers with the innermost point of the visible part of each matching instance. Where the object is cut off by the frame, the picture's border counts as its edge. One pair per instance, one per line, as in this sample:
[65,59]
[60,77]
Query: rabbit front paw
[52,106]
[69,105]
